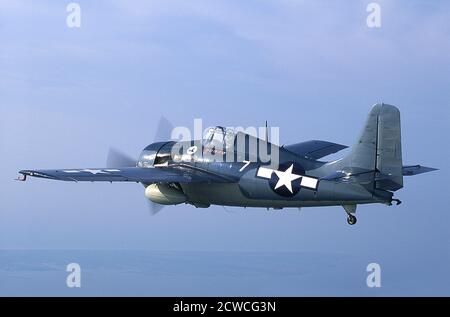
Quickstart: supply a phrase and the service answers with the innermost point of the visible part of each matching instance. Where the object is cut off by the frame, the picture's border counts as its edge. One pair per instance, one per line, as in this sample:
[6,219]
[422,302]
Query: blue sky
[312,68]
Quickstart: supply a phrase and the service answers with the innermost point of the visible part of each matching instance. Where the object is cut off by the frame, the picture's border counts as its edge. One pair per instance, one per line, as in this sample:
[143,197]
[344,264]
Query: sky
[311,68]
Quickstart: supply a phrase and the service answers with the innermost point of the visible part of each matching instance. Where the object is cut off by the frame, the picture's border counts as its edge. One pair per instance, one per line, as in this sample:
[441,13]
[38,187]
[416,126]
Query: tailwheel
[351,220]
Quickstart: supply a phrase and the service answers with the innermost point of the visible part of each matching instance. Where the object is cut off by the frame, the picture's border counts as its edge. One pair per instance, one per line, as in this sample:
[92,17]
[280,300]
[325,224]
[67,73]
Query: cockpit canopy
[219,137]
[217,142]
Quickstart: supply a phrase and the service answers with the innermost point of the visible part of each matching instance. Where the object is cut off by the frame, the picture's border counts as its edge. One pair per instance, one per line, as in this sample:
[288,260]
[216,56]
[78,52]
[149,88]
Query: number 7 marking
[247,163]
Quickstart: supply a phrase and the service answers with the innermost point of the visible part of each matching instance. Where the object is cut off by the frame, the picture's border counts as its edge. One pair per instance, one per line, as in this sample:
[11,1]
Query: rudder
[389,149]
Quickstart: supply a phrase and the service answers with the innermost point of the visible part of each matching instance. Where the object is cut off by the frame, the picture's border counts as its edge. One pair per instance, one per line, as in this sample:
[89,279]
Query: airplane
[226,168]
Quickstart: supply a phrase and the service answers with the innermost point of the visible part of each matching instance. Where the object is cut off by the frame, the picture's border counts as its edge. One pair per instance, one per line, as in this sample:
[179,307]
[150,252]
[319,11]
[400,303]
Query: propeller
[230,211]
[154,208]
[163,130]
[117,158]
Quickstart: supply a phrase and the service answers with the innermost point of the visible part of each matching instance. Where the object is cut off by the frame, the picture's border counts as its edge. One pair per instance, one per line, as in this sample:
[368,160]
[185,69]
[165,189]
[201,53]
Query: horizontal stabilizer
[354,175]
[411,170]
[314,149]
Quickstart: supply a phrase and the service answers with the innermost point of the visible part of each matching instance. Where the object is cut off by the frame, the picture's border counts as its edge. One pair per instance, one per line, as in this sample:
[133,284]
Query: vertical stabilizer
[378,148]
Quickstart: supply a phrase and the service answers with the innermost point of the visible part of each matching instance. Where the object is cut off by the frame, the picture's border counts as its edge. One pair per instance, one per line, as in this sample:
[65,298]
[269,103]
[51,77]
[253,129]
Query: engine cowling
[164,194]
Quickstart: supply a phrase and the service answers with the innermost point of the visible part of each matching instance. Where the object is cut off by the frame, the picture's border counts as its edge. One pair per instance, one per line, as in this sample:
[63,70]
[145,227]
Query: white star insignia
[94,172]
[286,178]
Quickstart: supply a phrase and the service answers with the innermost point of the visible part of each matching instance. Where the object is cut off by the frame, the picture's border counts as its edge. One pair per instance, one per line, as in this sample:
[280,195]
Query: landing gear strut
[351,220]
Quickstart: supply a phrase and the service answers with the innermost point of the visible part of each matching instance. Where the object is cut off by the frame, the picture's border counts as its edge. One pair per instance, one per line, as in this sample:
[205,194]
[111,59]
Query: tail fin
[379,148]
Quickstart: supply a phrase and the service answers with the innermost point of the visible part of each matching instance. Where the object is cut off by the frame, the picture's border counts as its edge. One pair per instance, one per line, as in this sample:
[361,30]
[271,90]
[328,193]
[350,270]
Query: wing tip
[36,173]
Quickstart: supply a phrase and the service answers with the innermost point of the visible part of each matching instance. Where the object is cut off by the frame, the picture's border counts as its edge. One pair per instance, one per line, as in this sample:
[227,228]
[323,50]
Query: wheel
[351,220]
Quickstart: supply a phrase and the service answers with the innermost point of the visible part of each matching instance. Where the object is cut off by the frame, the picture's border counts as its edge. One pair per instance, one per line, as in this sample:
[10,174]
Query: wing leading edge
[128,174]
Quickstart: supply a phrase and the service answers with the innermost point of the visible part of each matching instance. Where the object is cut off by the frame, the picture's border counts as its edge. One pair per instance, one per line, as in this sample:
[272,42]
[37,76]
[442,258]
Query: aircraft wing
[178,174]
[314,149]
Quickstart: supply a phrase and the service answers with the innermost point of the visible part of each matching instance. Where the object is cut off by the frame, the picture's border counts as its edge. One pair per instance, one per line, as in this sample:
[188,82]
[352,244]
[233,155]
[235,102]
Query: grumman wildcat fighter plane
[227,168]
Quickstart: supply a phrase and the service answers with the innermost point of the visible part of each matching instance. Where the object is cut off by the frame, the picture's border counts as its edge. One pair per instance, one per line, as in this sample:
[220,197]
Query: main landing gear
[350,210]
